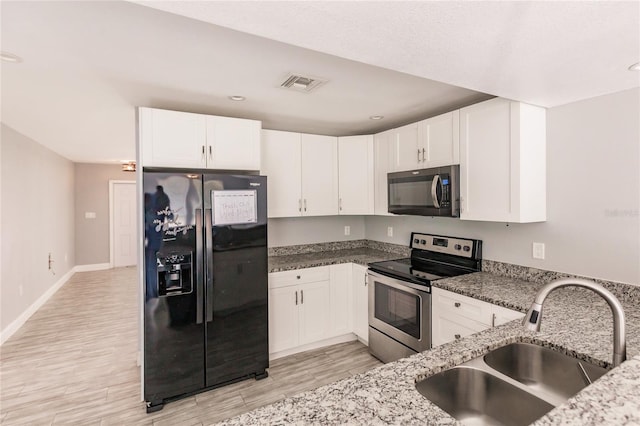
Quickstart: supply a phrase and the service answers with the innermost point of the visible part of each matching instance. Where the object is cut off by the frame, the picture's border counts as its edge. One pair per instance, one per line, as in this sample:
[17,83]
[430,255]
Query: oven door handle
[395,283]
[434,191]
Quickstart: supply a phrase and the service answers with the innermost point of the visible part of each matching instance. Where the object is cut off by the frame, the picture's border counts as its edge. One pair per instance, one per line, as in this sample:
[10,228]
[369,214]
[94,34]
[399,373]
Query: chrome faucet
[533,318]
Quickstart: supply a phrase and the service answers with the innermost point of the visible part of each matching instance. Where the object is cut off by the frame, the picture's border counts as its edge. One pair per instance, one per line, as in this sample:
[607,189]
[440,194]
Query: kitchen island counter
[575,321]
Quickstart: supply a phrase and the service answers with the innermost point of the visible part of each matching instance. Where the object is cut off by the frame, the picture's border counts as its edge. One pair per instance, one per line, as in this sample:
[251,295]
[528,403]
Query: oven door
[401,310]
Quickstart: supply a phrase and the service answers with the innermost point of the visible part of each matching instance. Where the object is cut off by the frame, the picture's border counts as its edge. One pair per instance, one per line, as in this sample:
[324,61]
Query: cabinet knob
[298,276]
[457,304]
[457,336]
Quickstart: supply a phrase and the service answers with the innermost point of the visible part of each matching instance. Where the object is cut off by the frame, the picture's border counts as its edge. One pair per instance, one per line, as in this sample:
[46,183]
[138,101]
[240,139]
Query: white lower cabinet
[360,305]
[298,307]
[454,316]
[340,300]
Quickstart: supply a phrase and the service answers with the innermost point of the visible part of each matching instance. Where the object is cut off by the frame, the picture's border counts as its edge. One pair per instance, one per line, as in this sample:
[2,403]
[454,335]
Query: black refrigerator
[205,276]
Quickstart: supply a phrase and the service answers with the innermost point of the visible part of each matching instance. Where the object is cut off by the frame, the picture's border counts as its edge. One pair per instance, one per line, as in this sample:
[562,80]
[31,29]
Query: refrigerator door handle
[199,269]
[208,232]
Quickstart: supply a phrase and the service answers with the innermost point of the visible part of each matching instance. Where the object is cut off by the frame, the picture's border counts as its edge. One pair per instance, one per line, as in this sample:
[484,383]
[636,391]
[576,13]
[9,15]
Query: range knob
[423,242]
[457,247]
[416,241]
[466,248]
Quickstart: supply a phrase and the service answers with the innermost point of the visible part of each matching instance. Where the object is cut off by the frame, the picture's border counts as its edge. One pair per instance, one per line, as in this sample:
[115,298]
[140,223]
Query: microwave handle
[434,191]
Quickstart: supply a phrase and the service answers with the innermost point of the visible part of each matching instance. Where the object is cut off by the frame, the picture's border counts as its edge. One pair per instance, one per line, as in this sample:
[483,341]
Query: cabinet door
[405,146]
[283,319]
[340,300]
[355,175]
[319,175]
[172,138]
[280,152]
[485,161]
[382,166]
[313,311]
[439,140]
[233,143]
[360,302]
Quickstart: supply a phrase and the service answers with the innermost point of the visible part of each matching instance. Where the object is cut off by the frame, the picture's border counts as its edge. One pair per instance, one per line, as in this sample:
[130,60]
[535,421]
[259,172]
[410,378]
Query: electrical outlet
[390,231]
[20,289]
[538,250]
[89,215]
[347,230]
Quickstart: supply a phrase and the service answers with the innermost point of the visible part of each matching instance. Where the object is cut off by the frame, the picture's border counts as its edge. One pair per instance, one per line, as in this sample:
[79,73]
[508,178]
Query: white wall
[309,230]
[593,193]
[37,218]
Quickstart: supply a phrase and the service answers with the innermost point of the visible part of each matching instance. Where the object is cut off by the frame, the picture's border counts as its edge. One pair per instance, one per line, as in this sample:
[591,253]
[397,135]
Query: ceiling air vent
[302,83]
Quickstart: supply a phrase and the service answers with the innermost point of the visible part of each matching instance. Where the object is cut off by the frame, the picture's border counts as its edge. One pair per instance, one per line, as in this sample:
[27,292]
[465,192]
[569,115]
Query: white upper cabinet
[182,139]
[439,140]
[319,175]
[383,156]
[355,175]
[302,172]
[281,163]
[404,144]
[503,162]
[234,143]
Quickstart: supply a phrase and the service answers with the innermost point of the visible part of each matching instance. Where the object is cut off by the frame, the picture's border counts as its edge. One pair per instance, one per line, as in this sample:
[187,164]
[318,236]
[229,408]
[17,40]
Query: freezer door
[174,285]
[236,284]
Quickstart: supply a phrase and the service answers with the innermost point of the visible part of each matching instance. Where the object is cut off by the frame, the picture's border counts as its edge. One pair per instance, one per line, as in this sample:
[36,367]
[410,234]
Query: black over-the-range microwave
[425,192]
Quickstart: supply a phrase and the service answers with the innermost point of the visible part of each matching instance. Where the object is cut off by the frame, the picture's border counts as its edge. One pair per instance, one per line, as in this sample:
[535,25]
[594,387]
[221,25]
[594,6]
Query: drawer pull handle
[457,336]
[296,297]
[457,304]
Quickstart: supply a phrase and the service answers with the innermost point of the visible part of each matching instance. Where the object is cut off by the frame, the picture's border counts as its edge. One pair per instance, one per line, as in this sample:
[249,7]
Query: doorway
[123,235]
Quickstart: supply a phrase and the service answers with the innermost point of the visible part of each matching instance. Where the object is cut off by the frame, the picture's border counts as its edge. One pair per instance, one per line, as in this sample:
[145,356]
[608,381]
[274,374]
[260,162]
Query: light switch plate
[89,215]
[390,231]
[538,250]
[347,230]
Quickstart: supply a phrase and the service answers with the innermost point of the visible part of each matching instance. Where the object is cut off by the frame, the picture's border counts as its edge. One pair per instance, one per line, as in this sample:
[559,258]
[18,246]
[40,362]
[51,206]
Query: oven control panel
[455,246]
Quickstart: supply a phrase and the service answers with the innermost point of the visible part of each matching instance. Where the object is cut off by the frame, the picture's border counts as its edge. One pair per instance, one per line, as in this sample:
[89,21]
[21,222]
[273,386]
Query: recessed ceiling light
[10,57]
[237,98]
[376,117]
[635,67]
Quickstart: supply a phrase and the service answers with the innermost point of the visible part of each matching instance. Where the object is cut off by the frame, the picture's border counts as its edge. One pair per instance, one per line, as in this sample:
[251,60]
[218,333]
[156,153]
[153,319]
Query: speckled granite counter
[361,252]
[575,321]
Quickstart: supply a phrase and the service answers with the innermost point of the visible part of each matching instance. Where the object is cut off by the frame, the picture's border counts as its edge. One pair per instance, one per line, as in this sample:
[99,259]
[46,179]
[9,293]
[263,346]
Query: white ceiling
[88,64]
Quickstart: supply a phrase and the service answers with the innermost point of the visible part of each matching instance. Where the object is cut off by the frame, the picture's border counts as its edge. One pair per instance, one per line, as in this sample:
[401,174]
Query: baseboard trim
[315,345]
[92,267]
[19,322]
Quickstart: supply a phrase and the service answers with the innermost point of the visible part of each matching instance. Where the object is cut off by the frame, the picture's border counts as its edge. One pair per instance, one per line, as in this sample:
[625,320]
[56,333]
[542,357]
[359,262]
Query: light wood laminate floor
[74,362]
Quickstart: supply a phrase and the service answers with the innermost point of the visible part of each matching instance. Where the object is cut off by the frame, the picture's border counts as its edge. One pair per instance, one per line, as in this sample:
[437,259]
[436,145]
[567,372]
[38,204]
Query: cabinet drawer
[456,304]
[298,276]
[450,328]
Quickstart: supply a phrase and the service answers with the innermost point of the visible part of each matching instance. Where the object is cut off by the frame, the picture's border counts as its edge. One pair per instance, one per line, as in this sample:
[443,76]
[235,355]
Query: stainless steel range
[400,292]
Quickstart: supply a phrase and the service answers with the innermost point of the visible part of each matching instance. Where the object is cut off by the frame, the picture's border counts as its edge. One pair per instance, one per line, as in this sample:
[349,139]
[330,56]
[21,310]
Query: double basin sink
[512,385]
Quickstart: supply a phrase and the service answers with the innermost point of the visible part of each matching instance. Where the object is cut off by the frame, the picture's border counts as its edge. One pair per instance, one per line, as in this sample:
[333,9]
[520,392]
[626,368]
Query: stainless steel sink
[543,369]
[476,397]
[512,385]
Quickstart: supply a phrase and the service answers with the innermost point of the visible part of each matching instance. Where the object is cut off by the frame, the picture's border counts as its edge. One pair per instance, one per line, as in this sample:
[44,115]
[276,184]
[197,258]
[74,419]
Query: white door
[405,146]
[233,143]
[124,224]
[355,173]
[360,302]
[439,140]
[283,318]
[314,311]
[340,299]
[319,175]
[280,153]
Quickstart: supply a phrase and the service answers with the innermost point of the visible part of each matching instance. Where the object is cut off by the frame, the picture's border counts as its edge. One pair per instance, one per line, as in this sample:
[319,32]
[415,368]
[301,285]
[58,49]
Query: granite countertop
[575,321]
[361,256]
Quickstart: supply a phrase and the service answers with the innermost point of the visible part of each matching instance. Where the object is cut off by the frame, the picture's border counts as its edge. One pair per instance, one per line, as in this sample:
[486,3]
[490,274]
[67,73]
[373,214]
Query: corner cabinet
[303,173]
[503,162]
[454,316]
[382,146]
[182,139]
[355,175]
